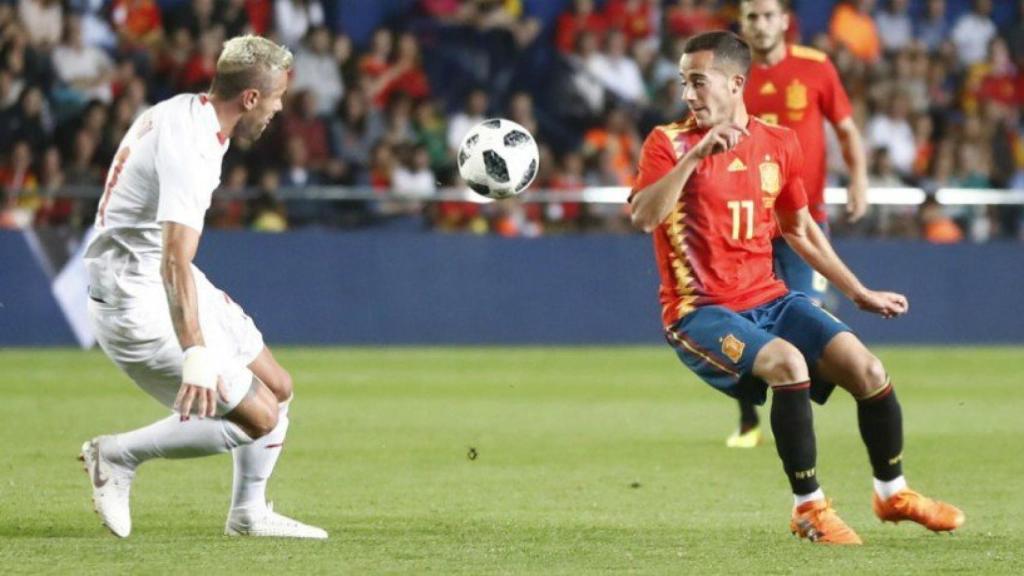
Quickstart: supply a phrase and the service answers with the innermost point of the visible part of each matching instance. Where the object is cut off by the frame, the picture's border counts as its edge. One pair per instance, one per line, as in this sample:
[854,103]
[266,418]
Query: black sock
[793,427]
[748,416]
[881,427]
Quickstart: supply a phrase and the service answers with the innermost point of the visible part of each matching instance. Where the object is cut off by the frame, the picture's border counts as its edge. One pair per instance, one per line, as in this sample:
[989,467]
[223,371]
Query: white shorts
[139,337]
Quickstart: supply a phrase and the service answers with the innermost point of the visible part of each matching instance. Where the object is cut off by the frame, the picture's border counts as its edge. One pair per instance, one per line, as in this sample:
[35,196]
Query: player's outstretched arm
[651,205]
[807,239]
[199,376]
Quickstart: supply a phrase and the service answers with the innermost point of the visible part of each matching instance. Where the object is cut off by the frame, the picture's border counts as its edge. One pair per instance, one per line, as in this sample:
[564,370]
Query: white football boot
[111,485]
[267,523]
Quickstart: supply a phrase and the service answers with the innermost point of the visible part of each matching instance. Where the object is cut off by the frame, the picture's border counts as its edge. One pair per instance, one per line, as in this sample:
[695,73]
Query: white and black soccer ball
[498,158]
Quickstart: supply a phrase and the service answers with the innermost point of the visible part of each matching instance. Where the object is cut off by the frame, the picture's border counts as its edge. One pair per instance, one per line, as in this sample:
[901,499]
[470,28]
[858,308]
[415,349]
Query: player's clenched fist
[720,138]
[885,304]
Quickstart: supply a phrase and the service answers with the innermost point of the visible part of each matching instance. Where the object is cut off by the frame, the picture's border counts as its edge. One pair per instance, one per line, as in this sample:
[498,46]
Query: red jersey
[715,248]
[800,92]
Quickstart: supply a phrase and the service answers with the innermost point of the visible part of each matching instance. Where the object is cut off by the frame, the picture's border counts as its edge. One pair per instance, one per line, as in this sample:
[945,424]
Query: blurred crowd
[937,98]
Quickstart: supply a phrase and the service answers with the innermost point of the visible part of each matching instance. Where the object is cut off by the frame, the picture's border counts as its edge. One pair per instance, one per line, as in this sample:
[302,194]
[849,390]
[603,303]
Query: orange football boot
[909,505]
[818,522]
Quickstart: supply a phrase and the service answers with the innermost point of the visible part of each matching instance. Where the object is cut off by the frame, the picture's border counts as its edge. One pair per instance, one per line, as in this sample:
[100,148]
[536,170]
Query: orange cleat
[818,522]
[909,505]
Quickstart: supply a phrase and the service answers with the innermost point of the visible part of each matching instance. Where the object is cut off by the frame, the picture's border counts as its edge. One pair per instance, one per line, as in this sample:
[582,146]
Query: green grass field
[589,460]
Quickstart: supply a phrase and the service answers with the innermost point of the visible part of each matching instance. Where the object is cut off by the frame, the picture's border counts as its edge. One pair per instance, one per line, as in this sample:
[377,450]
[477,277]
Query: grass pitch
[498,460]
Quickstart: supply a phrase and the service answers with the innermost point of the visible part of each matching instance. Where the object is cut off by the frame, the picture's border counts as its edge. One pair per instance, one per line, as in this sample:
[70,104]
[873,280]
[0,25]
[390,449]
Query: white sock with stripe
[254,463]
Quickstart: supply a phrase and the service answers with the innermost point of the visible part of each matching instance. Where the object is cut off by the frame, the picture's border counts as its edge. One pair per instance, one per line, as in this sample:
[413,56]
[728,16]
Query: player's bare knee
[262,423]
[783,364]
[873,376]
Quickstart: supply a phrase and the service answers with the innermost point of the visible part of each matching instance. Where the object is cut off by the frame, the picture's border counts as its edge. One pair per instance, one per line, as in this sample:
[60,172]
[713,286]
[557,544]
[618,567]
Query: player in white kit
[161,321]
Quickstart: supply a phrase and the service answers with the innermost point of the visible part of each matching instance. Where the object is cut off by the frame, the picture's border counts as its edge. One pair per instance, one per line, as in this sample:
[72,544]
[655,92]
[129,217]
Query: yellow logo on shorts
[732,347]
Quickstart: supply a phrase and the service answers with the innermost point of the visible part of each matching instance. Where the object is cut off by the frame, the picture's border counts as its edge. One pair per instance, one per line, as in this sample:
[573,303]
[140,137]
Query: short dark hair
[724,45]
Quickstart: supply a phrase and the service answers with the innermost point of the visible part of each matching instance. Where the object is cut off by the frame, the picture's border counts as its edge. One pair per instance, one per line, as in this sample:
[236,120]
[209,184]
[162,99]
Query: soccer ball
[498,158]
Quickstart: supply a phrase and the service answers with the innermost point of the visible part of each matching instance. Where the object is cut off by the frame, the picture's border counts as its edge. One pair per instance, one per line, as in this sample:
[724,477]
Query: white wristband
[198,368]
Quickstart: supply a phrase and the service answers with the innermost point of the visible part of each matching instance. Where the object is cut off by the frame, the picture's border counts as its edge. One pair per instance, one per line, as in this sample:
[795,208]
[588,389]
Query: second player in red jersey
[800,92]
[797,87]
[715,247]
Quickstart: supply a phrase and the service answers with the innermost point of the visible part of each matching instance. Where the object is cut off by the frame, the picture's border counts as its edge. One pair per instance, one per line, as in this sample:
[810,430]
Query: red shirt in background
[801,92]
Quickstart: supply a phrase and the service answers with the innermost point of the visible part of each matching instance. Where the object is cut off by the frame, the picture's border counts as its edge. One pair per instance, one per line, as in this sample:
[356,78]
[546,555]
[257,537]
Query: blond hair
[246,62]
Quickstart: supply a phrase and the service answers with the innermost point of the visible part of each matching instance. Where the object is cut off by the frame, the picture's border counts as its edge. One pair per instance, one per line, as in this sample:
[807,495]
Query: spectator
[374,63]
[404,76]
[432,133]
[299,173]
[635,18]
[933,29]
[227,207]
[972,33]
[357,128]
[689,17]
[317,70]
[42,20]
[172,59]
[54,210]
[521,111]
[138,23]
[853,27]
[617,72]
[925,152]
[936,226]
[615,148]
[293,18]
[587,86]
[86,71]
[302,123]
[201,66]
[29,122]
[83,170]
[881,173]
[895,29]
[21,186]
[382,165]
[195,16]
[473,113]
[268,214]
[891,130]
[570,180]
[413,177]
[582,17]
[96,30]
[995,80]
[398,123]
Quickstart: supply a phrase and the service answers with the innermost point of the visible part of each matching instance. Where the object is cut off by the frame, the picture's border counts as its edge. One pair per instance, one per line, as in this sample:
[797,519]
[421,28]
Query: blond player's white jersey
[165,170]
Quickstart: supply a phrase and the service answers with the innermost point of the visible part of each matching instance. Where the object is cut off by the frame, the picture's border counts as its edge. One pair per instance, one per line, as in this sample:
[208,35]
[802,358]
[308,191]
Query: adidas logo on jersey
[768,88]
[737,165]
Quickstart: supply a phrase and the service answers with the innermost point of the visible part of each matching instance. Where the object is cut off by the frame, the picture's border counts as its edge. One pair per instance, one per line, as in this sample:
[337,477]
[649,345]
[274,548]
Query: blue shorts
[720,345]
[797,274]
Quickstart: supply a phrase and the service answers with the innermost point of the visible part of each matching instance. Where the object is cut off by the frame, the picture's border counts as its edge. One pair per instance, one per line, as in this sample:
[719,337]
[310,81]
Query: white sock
[886,488]
[254,463]
[799,499]
[172,438]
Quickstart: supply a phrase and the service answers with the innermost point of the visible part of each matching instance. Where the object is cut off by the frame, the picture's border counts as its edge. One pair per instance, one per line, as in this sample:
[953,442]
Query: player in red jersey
[797,87]
[710,190]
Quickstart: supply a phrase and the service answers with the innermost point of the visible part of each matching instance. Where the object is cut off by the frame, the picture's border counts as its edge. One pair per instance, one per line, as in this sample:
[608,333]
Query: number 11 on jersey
[738,208]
